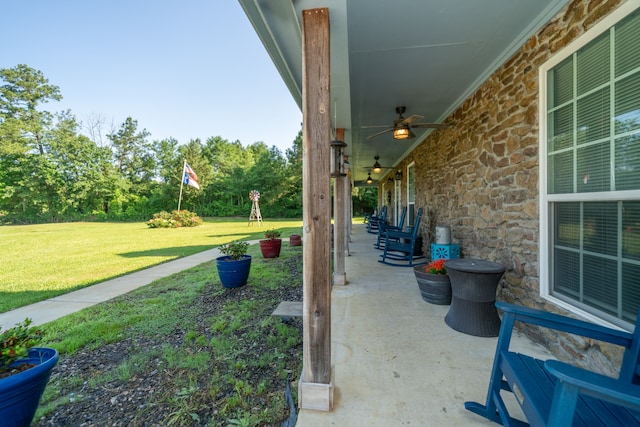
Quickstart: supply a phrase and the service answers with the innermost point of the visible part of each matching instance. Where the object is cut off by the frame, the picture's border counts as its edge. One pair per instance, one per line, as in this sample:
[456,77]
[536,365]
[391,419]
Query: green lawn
[41,261]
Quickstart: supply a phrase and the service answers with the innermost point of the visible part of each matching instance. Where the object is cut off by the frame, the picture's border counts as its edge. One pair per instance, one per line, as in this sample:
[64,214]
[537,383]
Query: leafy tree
[167,159]
[292,184]
[132,152]
[87,172]
[21,95]
[365,200]
[228,193]
[30,179]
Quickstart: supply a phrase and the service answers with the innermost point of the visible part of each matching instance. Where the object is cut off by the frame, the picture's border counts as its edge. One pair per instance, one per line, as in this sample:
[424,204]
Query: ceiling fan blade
[380,133]
[431,125]
[412,118]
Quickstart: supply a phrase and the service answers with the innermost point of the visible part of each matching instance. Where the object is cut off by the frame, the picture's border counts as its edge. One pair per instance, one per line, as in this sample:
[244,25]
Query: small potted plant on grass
[434,283]
[24,373]
[234,265]
[271,245]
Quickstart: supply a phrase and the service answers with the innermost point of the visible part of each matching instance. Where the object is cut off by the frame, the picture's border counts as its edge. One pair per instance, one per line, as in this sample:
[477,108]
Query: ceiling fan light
[401,133]
[377,168]
[369,180]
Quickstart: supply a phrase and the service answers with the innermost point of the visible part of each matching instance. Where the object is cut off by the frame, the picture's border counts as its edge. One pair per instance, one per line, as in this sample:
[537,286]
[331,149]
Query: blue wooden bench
[554,393]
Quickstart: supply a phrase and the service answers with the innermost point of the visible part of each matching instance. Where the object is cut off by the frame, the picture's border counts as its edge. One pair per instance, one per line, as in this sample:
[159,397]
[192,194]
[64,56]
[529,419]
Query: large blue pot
[233,273]
[20,394]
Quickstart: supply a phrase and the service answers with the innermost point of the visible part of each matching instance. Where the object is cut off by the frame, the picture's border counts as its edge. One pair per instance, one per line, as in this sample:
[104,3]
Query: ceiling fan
[369,179]
[377,167]
[402,126]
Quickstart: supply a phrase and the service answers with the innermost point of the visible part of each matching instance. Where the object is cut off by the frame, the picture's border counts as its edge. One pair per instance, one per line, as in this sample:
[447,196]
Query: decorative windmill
[254,195]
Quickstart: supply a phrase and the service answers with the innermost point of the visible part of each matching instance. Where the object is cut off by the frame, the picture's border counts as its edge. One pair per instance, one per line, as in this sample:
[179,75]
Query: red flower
[436,267]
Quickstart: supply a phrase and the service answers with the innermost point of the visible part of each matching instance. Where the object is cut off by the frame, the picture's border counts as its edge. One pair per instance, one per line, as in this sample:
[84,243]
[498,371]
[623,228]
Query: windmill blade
[431,125]
[380,133]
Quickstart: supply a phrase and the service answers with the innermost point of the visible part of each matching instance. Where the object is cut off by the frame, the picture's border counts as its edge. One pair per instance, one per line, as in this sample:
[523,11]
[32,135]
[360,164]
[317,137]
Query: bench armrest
[565,324]
[596,385]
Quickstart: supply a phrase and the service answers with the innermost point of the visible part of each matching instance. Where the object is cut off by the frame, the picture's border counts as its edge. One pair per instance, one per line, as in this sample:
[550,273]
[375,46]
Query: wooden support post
[316,388]
[339,232]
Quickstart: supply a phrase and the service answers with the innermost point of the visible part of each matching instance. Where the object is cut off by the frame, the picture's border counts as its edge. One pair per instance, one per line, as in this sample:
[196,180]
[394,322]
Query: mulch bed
[145,398]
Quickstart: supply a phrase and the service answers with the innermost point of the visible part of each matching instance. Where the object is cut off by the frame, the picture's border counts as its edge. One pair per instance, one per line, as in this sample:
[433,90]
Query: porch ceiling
[427,55]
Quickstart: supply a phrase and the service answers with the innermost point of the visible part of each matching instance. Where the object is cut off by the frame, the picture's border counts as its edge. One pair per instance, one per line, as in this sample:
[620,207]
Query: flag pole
[184,168]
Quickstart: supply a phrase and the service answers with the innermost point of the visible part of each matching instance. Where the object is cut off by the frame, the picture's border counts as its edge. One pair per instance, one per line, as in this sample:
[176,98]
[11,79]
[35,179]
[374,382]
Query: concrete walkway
[54,308]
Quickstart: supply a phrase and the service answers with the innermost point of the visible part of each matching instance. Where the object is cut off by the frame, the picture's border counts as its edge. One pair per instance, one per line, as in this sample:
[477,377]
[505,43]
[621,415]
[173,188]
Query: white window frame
[384,195]
[397,200]
[411,165]
[544,199]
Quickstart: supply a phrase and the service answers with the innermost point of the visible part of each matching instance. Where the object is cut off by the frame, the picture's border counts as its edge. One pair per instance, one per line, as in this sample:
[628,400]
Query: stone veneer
[481,176]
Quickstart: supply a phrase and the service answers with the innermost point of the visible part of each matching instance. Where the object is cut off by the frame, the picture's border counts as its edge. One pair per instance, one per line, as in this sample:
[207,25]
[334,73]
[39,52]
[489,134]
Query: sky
[183,69]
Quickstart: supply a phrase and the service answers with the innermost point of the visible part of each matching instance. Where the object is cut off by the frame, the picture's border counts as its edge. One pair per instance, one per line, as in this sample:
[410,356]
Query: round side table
[473,288]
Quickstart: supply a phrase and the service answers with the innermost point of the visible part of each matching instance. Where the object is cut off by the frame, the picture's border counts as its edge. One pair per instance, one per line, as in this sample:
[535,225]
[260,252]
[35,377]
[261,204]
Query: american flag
[190,177]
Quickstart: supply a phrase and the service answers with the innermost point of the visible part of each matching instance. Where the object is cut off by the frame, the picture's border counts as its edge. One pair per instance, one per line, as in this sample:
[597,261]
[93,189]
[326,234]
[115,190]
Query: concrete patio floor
[395,361]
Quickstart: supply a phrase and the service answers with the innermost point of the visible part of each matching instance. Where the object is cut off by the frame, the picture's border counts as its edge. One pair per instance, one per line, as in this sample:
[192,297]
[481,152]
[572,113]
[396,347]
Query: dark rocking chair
[376,220]
[401,246]
[384,227]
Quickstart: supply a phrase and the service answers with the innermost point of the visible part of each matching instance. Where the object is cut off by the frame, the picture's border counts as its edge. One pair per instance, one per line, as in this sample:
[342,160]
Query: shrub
[272,234]
[175,219]
[235,250]
[15,342]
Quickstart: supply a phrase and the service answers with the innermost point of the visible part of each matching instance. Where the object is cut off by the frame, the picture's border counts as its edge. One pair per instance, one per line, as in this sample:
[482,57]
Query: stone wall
[481,176]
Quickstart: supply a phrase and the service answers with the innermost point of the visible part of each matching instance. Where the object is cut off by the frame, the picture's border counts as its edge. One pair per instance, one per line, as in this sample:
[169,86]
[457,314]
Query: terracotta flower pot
[295,240]
[270,248]
[434,288]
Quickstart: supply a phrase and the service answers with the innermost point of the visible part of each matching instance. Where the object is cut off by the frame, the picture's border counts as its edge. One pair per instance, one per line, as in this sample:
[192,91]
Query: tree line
[55,168]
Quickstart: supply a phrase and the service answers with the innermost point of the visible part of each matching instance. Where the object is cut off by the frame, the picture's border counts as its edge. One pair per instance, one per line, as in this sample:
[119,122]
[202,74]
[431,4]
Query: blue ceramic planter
[20,394]
[233,273]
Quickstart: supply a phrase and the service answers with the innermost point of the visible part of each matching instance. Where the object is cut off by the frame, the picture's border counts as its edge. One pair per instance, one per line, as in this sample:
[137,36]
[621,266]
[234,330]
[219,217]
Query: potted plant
[295,240]
[271,245]
[433,282]
[24,373]
[234,264]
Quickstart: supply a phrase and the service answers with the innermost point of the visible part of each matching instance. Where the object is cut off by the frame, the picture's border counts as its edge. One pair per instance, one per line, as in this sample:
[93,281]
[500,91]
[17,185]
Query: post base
[315,396]
[340,279]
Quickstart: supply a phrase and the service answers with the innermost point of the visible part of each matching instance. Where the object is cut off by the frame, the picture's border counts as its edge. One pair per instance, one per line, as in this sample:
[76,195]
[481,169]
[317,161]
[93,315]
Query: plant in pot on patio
[433,282]
[24,373]
[234,265]
[271,245]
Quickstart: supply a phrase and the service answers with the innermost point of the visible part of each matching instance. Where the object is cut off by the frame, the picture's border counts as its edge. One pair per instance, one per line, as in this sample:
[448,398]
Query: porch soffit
[427,55]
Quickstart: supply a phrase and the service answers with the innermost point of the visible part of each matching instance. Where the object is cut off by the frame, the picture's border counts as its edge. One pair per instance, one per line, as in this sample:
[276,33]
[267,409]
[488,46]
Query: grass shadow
[178,251]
